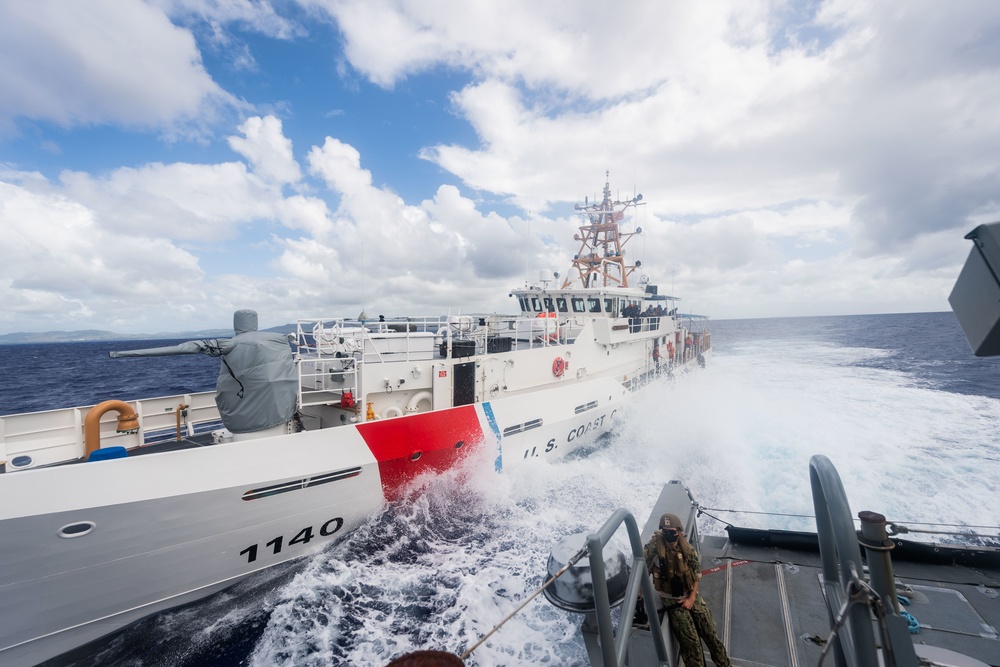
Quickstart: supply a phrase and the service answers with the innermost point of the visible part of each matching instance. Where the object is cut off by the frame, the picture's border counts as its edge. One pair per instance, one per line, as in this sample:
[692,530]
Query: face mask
[670,535]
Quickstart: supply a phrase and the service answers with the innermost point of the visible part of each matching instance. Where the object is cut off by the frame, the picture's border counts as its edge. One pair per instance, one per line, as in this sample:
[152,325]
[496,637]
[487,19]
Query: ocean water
[898,402]
[47,376]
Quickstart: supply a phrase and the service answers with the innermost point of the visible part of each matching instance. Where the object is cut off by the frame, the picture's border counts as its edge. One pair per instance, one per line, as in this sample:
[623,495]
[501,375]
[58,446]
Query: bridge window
[525,306]
[595,304]
[561,304]
[609,306]
[578,306]
[536,305]
[549,307]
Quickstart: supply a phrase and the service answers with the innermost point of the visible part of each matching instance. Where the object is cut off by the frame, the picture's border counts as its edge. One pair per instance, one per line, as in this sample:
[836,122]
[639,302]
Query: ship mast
[600,259]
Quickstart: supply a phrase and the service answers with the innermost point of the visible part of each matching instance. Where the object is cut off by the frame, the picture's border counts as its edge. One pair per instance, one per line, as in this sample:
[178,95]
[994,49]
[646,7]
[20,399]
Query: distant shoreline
[96,336]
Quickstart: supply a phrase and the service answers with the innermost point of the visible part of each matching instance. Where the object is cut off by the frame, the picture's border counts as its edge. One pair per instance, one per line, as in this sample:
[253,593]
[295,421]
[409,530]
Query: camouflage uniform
[675,568]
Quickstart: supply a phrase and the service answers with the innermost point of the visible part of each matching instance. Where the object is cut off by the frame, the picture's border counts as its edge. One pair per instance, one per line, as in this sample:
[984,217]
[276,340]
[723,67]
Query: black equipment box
[459,348]
[498,344]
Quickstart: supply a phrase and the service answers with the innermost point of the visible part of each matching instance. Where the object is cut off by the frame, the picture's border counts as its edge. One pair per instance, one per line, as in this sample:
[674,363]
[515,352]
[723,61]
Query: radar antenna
[600,259]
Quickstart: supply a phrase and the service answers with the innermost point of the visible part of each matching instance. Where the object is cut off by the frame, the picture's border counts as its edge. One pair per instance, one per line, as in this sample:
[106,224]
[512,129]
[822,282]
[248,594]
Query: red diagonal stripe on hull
[435,435]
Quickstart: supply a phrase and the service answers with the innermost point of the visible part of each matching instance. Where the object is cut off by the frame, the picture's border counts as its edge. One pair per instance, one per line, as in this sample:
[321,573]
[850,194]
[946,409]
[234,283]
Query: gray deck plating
[769,609]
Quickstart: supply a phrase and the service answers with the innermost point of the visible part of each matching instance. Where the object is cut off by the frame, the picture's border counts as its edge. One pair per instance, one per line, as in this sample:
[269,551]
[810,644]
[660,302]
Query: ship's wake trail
[437,571]
[447,564]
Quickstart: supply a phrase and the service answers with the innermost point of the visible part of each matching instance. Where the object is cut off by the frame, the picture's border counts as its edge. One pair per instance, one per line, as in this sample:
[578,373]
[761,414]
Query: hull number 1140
[304,536]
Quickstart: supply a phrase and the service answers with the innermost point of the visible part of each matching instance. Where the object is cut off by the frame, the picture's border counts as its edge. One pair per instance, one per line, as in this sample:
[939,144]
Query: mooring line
[572,561]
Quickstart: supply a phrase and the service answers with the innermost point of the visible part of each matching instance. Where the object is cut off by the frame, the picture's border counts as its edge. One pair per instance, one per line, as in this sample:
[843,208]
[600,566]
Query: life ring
[413,405]
[558,367]
[392,411]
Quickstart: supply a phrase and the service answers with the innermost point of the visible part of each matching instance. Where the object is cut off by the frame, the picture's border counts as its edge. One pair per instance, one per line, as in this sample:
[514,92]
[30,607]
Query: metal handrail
[613,648]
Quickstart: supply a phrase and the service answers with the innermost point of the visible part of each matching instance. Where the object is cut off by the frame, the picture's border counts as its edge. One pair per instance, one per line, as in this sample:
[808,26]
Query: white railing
[33,439]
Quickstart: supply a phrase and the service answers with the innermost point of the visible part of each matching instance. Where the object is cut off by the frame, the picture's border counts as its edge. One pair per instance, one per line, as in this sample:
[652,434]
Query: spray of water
[454,558]
[461,551]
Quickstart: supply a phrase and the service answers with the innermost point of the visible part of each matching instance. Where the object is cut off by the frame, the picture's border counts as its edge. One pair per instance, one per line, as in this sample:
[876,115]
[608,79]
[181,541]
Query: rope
[702,511]
[720,509]
[952,525]
[860,592]
[572,561]
[898,529]
[214,349]
[912,624]
[893,525]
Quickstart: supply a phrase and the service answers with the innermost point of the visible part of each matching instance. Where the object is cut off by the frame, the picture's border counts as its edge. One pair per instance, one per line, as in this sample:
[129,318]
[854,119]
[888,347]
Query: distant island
[88,335]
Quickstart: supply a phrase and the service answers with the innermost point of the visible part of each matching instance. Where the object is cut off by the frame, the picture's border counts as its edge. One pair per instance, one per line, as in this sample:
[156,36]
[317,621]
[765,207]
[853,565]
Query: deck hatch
[948,610]
[521,428]
[299,484]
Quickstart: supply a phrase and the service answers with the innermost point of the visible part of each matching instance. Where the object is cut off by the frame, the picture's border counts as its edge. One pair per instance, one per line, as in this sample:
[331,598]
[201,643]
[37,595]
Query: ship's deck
[769,608]
[765,592]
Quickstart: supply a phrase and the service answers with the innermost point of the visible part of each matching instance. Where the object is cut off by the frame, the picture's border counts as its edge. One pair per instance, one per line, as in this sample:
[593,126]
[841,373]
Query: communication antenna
[527,249]
[601,239]
[363,316]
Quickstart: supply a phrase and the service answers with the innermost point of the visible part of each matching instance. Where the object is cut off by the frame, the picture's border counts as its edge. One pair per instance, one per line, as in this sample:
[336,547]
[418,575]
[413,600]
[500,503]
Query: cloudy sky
[163,163]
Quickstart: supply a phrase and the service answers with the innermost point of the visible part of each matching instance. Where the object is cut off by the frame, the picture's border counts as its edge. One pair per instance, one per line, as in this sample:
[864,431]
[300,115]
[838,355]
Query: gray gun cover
[261,362]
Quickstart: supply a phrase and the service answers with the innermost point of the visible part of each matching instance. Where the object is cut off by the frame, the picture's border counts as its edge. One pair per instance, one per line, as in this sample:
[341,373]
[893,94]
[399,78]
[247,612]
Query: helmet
[671,521]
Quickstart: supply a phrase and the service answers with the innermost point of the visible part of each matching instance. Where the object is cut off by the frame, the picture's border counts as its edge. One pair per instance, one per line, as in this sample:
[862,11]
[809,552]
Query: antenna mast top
[600,258]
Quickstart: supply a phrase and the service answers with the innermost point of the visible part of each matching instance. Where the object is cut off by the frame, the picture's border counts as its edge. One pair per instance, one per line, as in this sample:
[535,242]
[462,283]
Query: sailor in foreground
[676,571]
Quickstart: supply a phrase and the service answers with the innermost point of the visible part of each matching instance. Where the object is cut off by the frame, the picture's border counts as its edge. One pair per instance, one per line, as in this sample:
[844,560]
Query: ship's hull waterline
[113,512]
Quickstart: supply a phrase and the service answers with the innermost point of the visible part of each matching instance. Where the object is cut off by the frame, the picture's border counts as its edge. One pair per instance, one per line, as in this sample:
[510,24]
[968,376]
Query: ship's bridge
[538,301]
[535,301]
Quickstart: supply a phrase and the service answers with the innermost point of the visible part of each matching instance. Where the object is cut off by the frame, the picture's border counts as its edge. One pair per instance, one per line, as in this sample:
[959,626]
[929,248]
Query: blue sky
[164,163]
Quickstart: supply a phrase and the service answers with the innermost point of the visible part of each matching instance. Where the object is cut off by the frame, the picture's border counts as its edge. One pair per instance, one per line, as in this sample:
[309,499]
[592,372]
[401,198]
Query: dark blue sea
[899,403]
[928,347]
[62,375]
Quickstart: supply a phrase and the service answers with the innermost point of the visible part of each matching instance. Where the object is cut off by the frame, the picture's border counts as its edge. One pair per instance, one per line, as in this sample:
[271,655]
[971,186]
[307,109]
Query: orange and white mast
[600,261]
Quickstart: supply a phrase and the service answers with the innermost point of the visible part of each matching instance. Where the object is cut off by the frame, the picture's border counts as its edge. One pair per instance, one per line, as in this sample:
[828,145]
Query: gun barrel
[189,347]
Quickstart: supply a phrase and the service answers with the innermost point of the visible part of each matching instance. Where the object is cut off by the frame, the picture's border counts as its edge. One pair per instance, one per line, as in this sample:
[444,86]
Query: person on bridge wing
[676,571]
